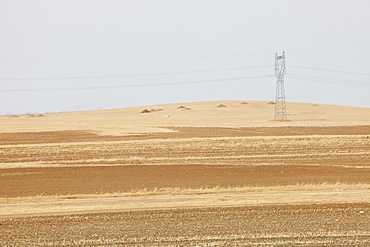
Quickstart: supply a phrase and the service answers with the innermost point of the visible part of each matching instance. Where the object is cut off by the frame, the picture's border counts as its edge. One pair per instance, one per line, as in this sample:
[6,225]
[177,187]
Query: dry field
[197,175]
[273,225]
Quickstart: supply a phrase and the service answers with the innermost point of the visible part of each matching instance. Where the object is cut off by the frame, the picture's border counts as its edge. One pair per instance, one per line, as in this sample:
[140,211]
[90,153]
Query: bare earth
[197,175]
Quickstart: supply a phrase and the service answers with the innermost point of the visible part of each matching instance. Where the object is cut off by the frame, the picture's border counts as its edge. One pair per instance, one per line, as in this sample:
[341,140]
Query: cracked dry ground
[68,163]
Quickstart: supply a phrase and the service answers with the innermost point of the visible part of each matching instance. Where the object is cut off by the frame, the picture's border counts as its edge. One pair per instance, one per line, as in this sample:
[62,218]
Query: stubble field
[186,186]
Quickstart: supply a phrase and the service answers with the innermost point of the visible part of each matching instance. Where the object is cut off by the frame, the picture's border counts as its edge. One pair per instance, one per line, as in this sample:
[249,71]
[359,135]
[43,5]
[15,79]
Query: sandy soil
[272,225]
[171,178]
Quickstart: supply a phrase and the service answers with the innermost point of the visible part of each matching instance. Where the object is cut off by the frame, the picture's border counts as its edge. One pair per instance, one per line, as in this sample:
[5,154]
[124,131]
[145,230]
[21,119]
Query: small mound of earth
[145,111]
[31,115]
[181,107]
[221,105]
[13,116]
[40,115]
[271,103]
[187,109]
[244,103]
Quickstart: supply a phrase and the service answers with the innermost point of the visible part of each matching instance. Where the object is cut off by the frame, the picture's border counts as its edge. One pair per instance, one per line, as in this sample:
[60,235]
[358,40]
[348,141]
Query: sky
[75,55]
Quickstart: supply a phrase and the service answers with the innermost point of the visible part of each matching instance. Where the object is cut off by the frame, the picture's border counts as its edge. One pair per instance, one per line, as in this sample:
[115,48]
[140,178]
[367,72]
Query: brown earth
[272,225]
[112,179]
[70,163]
[180,132]
[190,158]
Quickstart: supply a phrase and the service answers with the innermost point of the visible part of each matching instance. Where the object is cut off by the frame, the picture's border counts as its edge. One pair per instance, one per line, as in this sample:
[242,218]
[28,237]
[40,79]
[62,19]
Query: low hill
[192,114]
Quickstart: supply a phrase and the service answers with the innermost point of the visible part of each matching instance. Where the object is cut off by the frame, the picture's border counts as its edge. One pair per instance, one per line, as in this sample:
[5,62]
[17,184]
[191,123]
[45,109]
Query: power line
[131,75]
[328,56]
[179,58]
[136,59]
[329,70]
[131,86]
[330,80]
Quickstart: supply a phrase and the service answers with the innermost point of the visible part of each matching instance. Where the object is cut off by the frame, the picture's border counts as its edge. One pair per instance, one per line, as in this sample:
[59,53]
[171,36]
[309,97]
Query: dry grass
[182,197]
[170,191]
[345,151]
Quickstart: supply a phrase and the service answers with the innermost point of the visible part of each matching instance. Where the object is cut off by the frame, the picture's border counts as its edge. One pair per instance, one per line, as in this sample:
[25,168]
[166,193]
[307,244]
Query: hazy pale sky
[75,55]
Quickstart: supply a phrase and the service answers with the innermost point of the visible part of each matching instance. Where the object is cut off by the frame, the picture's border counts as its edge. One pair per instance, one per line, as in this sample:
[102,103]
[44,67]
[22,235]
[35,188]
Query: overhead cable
[137,59]
[130,75]
[329,70]
[133,85]
[330,80]
[328,56]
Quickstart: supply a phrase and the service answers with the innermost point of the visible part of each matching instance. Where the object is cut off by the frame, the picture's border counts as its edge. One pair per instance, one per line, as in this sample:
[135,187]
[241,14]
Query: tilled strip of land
[176,198]
[179,132]
[189,162]
[112,179]
[350,150]
[74,164]
[273,225]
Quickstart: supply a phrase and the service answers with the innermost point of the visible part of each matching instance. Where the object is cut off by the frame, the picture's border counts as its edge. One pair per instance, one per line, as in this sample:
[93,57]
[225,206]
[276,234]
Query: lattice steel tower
[280,108]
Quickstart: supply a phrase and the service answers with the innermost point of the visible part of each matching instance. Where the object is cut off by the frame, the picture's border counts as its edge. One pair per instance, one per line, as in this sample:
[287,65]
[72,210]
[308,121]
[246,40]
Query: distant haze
[89,54]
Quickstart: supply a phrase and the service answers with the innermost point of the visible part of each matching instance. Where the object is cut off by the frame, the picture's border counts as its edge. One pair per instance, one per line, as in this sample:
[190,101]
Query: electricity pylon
[280,108]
